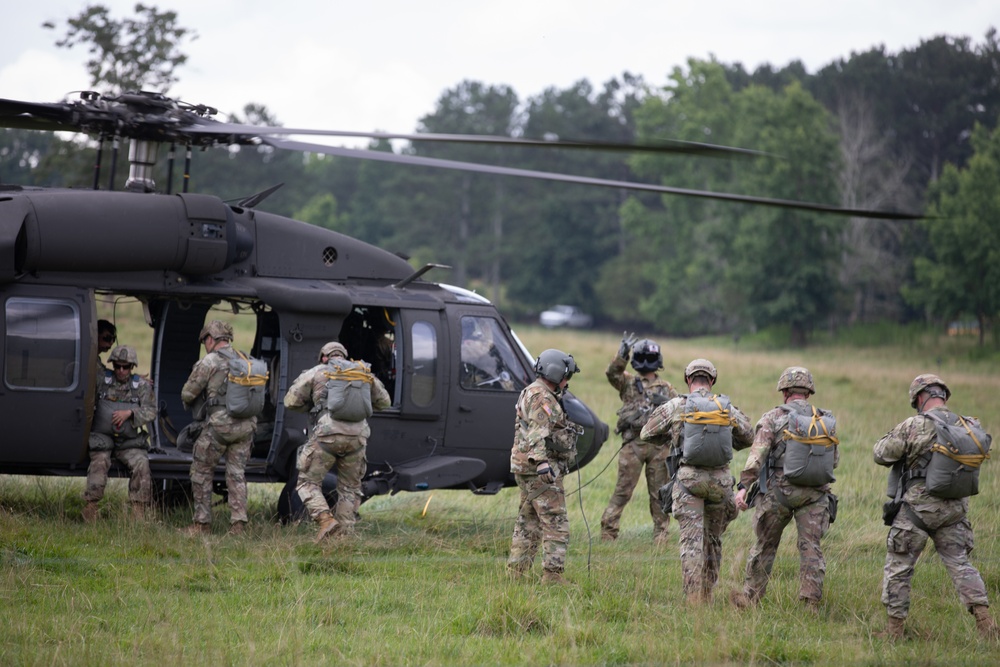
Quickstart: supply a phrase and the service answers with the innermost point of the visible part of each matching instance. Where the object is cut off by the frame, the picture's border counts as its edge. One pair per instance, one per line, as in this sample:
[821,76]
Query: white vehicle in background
[565,316]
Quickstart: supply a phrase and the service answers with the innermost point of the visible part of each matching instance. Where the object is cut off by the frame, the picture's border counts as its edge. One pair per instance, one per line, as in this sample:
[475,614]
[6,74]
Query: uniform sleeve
[892,446]
[196,382]
[146,412]
[541,414]
[658,429]
[743,435]
[616,373]
[380,397]
[759,450]
[299,395]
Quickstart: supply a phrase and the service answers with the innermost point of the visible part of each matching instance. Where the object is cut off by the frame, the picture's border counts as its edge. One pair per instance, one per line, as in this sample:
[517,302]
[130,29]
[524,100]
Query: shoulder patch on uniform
[547,408]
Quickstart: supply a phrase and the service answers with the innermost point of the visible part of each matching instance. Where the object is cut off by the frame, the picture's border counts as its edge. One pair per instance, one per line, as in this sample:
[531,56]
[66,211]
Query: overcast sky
[382,64]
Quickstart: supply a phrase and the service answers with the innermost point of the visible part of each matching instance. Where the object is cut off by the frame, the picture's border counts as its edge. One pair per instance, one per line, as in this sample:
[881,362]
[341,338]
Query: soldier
[640,394]
[701,429]
[332,391]
[930,488]
[543,451]
[125,404]
[222,434]
[793,454]
[107,335]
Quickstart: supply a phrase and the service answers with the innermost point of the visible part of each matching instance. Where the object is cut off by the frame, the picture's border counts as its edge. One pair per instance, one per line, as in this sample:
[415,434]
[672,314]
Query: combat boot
[237,527]
[552,577]
[984,622]
[196,529]
[893,629]
[140,511]
[90,512]
[810,604]
[327,526]
[741,600]
[661,539]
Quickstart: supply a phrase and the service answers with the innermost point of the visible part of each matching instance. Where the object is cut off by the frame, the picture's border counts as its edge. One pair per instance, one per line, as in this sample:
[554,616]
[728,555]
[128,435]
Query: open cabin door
[49,366]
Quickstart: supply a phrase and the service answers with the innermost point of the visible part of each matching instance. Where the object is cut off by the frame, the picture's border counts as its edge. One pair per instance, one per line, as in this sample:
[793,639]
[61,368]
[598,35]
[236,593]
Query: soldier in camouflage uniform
[332,442]
[810,506]
[543,451]
[922,515]
[125,405]
[640,394]
[702,495]
[222,434]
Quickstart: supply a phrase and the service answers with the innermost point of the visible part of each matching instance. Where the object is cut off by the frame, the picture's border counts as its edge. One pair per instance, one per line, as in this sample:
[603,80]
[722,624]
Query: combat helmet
[124,354]
[701,367]
[796,376]
[218,330]
[331,348]
[646,356]
[924,381]
[555,366]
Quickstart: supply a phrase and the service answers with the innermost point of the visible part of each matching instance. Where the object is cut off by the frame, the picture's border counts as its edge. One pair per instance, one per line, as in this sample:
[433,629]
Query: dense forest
[914,130]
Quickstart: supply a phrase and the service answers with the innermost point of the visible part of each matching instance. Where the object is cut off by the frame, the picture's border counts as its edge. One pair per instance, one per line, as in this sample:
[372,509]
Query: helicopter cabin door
[49,360]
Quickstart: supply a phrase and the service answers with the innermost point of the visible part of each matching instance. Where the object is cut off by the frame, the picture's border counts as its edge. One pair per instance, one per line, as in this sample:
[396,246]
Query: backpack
[246,384]
[348,390]
[809,445]
[708,431]
[960,448]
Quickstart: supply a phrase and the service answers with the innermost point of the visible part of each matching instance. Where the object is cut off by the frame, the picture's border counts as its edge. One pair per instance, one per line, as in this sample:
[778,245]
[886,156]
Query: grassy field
[424,581]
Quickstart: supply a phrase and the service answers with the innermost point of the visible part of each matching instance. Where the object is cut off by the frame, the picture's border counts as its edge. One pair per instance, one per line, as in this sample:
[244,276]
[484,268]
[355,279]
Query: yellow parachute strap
[971,460]
[385,311]
[248,380]
[815,437]
[350,375]
[718,417]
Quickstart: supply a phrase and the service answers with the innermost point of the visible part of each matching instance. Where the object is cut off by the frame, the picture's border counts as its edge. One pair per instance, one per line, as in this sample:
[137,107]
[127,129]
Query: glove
[545,472]
[628,340]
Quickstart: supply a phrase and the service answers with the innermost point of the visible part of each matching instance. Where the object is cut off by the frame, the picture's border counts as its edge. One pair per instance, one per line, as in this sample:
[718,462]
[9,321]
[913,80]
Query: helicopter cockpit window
[42,344]
[425,352]
[488,361]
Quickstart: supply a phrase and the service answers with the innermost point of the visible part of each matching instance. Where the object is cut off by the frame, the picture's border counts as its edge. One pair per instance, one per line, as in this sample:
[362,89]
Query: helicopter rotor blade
[229,130]
[36,116]
[583,180]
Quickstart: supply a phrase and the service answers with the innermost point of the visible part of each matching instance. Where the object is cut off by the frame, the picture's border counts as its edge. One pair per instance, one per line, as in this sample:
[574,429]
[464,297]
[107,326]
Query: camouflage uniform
[540,435]
[636,395]
[222,435]
[331,442]
[703,501]
[945,519]
[108,442]
[810,506]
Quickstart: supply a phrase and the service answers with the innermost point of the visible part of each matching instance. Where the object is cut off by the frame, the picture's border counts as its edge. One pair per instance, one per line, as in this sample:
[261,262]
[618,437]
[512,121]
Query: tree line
[914,130]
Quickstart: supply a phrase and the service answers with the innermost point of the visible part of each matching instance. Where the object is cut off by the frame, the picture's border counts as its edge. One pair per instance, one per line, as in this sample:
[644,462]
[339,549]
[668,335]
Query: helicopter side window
[42,344]
[488,362]
[425,352]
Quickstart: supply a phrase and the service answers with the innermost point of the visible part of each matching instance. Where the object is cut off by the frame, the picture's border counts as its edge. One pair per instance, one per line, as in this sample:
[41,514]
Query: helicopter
[451,363]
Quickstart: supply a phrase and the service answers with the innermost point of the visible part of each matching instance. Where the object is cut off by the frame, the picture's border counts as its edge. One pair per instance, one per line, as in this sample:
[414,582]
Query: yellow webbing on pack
[248,380]
[718,417]
[349,375]
[971,460]
[815,437]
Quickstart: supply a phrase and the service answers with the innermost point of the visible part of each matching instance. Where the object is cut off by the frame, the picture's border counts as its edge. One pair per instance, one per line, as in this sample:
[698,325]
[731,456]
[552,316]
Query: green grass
[424,582]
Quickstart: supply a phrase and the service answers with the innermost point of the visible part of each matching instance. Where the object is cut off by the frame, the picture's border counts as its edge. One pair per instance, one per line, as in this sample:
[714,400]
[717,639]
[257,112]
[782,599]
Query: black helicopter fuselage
[450,362]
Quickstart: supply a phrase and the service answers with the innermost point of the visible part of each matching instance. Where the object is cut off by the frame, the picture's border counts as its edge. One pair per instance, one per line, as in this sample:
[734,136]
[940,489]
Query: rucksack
[246,384]
[348,390]
[957,453]
[708,431]
[809,445]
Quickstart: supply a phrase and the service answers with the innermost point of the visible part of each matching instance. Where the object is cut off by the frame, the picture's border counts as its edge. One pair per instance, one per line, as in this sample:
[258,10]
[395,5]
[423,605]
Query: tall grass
[423,583]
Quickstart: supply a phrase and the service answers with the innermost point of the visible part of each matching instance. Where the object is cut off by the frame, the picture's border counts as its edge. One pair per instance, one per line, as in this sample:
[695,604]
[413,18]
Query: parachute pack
[708,431]
[809,445]
[348,390]
[957,453]
[105,408]
[246,384]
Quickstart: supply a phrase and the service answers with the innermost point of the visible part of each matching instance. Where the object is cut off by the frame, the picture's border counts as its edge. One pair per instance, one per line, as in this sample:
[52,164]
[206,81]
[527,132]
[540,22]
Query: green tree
[960,273]
[128,54]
